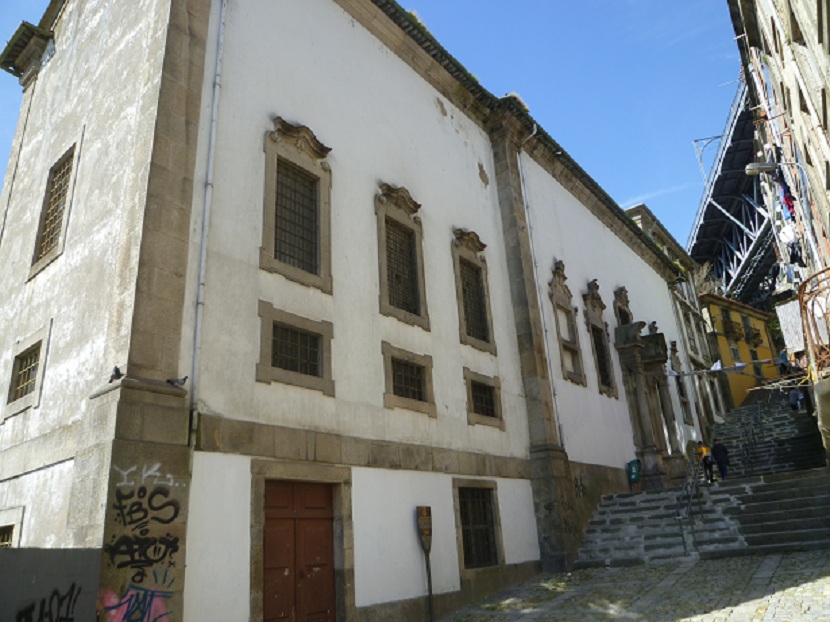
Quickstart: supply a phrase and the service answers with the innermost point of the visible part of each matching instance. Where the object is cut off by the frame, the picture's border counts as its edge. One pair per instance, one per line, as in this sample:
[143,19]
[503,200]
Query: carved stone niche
[628,335]
[655,350]
[621,308]
[593,305]
[301,137]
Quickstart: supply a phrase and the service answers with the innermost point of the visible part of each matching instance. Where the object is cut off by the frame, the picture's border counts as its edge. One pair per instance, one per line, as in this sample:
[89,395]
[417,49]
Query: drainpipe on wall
[540,299]
[200,286]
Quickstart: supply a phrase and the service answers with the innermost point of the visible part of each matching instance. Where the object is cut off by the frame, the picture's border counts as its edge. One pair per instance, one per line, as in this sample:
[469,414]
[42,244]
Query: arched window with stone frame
[567,334]
[598,330]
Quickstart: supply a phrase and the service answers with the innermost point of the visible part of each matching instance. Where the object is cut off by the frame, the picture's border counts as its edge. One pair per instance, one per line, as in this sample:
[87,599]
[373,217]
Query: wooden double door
[298,577]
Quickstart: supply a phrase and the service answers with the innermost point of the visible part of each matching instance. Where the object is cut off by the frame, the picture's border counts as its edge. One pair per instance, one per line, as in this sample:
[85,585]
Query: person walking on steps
[704,457]
[721,455]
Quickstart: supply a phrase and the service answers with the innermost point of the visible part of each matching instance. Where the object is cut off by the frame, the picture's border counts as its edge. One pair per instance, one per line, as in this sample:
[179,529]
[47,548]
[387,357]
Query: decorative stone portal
[643,359]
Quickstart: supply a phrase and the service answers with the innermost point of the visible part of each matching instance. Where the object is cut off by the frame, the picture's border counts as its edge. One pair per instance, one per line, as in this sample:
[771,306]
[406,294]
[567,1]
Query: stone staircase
[777,498]
[769,437]
[766,513]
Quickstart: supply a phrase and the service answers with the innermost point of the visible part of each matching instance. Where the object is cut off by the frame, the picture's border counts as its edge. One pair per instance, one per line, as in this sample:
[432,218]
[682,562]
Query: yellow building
[739,334]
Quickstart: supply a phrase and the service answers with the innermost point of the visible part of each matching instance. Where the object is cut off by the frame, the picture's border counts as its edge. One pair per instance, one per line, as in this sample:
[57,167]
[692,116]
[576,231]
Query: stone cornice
[413,43]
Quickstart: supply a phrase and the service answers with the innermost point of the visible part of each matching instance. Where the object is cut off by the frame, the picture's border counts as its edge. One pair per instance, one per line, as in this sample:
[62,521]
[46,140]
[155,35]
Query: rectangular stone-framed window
[570,355]
[54,214]
[483,399]
[11,520]
[294,350]
[296,231]
[472,291]
[6,536]
[28,362]
[478,525]
[408,380]
[400,257]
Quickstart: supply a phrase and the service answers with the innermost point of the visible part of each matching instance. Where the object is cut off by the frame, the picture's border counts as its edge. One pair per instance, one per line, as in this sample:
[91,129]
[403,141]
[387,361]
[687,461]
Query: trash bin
[633,469]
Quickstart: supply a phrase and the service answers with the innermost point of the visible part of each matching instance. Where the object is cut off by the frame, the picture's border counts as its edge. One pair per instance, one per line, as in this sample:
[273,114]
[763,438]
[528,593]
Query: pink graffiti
[138,604]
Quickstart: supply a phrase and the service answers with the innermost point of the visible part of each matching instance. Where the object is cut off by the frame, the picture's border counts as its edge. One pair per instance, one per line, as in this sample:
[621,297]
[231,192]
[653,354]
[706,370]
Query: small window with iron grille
[478,527]
[476,327]
[408,380]
[483,399]
[296,237]
[28,360]
[6,536]
[54,212]
[24,373]
[400,243]
[294,350]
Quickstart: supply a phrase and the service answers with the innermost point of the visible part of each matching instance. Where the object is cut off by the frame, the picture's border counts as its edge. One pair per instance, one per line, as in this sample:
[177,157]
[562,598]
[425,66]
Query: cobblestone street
[790,587]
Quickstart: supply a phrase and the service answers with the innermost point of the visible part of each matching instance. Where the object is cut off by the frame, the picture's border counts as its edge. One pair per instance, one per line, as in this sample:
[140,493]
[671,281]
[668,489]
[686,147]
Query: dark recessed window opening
[484,399]
[401,268]
[603,362]
[51,222]
[475,305]
[408,380]
[24,373]
[478,529]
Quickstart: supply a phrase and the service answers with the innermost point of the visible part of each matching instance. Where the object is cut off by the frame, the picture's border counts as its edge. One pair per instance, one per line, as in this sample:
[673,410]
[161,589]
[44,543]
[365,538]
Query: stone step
[788,537]
[791,525]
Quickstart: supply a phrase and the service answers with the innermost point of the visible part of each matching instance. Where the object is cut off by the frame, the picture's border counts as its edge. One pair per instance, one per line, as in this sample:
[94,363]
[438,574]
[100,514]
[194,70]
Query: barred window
[484,399]
[24,373]
[296,350]
[478,530]
[296,228]
[54,207]
[6,536]
[401,267]
[408,380]
[297,217]
[475,305]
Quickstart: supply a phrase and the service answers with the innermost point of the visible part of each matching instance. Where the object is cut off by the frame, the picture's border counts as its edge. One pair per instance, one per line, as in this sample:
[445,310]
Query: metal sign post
[423,514]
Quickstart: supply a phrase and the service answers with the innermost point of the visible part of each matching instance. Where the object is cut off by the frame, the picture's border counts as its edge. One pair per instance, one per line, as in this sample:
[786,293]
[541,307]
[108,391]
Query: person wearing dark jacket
[721,456]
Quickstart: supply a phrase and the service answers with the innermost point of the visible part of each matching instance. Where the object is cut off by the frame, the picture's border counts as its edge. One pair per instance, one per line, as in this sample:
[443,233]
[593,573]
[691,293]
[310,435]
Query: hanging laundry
[790,274]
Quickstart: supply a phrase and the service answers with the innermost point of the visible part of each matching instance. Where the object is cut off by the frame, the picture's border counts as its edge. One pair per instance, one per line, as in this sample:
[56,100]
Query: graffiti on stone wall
[132,476]
[57,607]
[139,509]
[140,603]
[144,506]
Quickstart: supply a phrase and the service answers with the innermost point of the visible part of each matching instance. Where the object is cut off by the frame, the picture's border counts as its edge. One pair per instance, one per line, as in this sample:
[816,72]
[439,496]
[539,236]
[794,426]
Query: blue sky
[624,86]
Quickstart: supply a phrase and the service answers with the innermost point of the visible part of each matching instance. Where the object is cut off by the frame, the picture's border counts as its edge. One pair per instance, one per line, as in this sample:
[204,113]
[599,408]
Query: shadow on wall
[48,584]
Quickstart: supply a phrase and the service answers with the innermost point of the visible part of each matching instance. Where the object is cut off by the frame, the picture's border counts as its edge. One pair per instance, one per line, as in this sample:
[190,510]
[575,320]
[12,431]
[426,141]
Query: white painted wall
[44,497]
[384,123]
[218,577]
[389,563]
[597,429]
[98,91]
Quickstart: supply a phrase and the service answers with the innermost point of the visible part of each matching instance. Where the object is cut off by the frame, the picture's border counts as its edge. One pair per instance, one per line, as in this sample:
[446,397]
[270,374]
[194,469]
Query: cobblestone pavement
[790,587]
